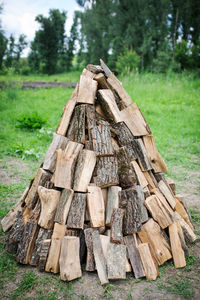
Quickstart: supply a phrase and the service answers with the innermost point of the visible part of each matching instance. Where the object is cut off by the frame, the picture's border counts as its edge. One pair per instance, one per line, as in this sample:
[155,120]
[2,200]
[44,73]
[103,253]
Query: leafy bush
[32,121]
[25,152]
[25,70]
[127,62]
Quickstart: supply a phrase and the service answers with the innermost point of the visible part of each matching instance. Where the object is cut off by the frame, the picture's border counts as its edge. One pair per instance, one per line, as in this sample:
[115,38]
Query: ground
[25,282]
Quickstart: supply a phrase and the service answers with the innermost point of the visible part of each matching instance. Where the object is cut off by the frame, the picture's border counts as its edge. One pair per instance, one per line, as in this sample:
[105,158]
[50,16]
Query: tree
[3,41]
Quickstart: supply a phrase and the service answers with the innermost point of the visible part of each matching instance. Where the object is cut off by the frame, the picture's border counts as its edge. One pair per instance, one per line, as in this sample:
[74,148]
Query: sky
[18,16]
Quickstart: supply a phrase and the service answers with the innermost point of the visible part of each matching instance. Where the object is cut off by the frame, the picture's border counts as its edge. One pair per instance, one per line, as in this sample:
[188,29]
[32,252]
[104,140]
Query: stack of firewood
[100,198]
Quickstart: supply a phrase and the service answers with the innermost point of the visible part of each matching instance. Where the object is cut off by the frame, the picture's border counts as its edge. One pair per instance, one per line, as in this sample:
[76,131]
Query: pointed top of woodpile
[100,197]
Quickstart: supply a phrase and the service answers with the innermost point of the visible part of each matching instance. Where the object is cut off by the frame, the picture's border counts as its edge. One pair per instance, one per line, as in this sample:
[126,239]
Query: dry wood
[167,193]
[67,113]
[116,226]
[140,176]
[134,120]
[180,209]
[15,233]
[90,263]
[76,132]
[105,196]
[164,202]
[177,251]
[70,267]
[141,154]
[49,200]
[172,185]
[154,156]
[87,90]
[87,73]
[94,68]
[101,139]
[150,266]
[77,211]
[139,195]
[107,171]
[151,184]
[52,264]
[112,202]
[84,169]
[109,106]
[66,160]
[58,142]
[102,82]
[64,206]
[96,208]
[116,261]
[133,254]
[105,241]
[43,254]
[188,232]
[105,68]
[146,192]
[181,236]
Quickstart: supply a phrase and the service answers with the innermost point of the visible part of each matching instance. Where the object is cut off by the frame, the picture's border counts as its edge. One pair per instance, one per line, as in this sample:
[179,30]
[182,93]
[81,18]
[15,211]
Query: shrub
[25,70]
[127,62]
[32,121]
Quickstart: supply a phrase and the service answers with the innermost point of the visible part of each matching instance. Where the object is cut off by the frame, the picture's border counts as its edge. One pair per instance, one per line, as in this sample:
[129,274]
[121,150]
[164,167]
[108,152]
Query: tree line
[151,35]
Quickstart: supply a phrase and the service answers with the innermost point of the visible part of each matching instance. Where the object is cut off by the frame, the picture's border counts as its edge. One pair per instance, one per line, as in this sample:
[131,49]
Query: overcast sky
[18,16]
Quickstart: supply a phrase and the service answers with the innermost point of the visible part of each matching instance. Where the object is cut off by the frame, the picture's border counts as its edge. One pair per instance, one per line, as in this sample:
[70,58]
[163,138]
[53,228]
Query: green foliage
[27,283]
[195,215]
[178,286]
[127,62]
[32,121]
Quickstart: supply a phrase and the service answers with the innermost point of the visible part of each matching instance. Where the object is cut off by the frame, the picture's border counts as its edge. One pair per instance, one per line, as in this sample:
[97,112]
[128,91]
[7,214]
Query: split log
[164,202]
[94,68]
[87,73]
[102,83]
[172,185]
[181,236]
[76,132]
[105,196]
[154,156]
[134,120]
[180,209]
[67,113]
[15,234]
[150,266]
[52,264]
[133,255]
[70,267]
[146,192]
[116,226]
[59,142]
[149,179]
[109,106]
[139,195]
[105,241]
[90,263]
[177,251]
[66,160]
[64,206]
[141,154]
[167,193]
[95,204]
[87,90]
[107,171]
[100,112]
[49,201]
[105,68]
[77,211]
[100,260]
[140,176]
[187,231]
[45,245]
[116,261]
[84,169]
[113,202]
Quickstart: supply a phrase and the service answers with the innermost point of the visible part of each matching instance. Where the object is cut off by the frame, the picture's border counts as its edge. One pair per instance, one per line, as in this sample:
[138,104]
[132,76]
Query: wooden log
[49,200]
[187,231]
[87,90]
[100,260]
[84,170]
[113,202]
[149,264]
[172,185]
[139,195]
[116,225]
[76,132]
[154,156]
[52,264]
[90,263]
[45,245]
[67,113]
[63,206]
[167,193]
[105,241]
[15,234]
[105,196]
[116,261]
[94,68]
[149,179]
[70,267]
[107,171]
[177,251]
[58,142]
[180,209]
[141,154]
[43,234]
[133,255]
[87,73]
[151,233]
[181,236]
[102,83]
[134,120]
[105,68]
[77,211]
[146,192]
[95,204]
[158,211]
[140,176]
[109,106]
[65,164]
[126,172]
[164,202]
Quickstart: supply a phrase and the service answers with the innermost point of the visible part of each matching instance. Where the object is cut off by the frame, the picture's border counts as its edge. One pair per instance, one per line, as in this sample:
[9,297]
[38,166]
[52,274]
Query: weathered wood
[96,208]
[116,226]
[167,193]
[181,236]
[177,251]
[140,176]
[76,132]
[45,245]
[87,73]
[112,202]
[154,156]
[105,196]
[126,172]
[149,264]
[65,164]
[84,169]
[70,267]
[67,113]
[49,200]
[116,261]
[164,202]
[109,106]
[107,171]
[90,263]
[52,264]
[180,209]
[139,194]
[158,211]
[187,231]
[105,68]
[141,154]
[146,192]
[105,241]
[133,255]
[134,120]
[172,185]
[43,234]
[87,90]
[77,211]
[100,260]
[149,179]
[63,206]
[102,82]
[15,234]
[58,142]
[151,233]
[94,68]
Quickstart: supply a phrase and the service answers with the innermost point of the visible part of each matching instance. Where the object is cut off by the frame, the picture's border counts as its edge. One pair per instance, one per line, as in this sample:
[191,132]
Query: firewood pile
[100,200]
